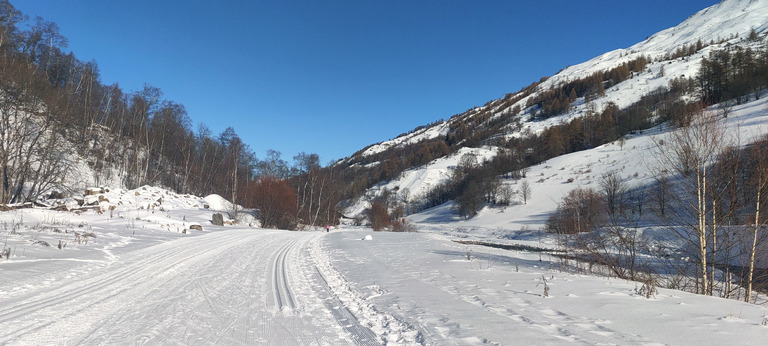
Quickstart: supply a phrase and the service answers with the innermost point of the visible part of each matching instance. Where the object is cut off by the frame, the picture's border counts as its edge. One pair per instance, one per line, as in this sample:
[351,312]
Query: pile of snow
[217,202]
[109,218]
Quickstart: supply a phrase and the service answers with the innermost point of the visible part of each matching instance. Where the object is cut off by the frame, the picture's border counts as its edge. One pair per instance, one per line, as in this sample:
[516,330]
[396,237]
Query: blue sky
[331,77]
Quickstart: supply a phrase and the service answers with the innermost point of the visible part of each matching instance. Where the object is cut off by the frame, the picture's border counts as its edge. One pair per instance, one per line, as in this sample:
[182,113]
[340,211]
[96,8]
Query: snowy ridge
[730,20]
[440,129]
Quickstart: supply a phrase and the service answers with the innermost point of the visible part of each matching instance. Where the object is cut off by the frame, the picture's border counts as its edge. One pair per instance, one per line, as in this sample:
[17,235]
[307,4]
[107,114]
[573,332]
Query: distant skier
[327,228]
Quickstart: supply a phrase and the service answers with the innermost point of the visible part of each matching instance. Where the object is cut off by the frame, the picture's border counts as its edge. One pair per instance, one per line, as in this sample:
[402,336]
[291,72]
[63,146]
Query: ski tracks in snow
[229,287]
[281,292]
[367,324]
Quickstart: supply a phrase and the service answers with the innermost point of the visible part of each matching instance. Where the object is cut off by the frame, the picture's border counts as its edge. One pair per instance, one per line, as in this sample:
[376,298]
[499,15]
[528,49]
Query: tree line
[53,104]
[51,99]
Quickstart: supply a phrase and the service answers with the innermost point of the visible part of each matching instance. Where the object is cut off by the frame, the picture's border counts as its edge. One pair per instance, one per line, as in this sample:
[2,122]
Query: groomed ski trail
[228,287]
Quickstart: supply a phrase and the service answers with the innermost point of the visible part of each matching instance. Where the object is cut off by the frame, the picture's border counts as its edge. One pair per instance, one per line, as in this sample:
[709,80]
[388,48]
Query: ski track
[228,287]
[361,334]
[283,297]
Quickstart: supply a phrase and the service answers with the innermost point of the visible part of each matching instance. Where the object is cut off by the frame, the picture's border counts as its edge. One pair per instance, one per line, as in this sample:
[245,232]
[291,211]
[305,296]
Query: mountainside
[414,163]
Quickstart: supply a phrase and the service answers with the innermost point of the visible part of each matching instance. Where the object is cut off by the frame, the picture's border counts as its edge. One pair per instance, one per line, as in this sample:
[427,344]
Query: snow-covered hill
[726,24]
[416,183]
[635,160]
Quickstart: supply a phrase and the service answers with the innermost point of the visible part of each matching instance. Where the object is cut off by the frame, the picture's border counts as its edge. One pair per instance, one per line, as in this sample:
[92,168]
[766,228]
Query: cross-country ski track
[251,286]
[229,287]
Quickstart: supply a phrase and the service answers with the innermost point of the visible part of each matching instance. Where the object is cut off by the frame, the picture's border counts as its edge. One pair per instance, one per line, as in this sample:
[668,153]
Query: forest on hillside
[54,108]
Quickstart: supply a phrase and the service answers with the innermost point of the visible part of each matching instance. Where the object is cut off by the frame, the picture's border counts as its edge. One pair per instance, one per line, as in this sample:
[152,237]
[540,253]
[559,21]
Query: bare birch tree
[761,185]
[689,153]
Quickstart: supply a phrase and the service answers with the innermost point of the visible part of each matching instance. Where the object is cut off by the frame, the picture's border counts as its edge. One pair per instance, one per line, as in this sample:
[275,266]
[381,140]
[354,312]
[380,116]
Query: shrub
[403,225]
[276,202]
[580,211]
[379,215]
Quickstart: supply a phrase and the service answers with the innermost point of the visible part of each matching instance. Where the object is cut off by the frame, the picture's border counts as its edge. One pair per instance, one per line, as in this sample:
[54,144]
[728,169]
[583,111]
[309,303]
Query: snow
[440,129]
[414,183]
[130,269]
[730,20]
[497,296]
[133,271]
[550,181]
[235,285]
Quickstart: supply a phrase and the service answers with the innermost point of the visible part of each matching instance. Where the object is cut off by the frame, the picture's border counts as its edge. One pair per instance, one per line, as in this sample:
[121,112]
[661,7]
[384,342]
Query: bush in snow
[379,215]
[580,211]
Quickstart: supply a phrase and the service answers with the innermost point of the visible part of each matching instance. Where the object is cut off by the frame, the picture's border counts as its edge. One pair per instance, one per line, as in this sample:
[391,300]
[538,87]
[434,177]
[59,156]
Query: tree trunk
[702,193]
[753,250]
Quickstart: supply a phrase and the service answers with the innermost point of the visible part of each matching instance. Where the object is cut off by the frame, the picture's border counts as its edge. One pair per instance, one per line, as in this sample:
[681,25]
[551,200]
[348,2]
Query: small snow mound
[368,237]
[217,202]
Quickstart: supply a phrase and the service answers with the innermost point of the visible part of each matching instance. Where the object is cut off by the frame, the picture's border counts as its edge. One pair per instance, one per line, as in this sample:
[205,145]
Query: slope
[671,54]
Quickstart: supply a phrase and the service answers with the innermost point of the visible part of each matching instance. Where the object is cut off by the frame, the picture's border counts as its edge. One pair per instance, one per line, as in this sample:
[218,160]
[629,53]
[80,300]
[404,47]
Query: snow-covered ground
[142,275]
[145,284]
[427,283]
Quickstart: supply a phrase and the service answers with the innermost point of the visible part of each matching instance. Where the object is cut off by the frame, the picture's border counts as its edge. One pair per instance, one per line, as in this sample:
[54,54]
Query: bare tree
[689,152]
[613,188]
[761,185]
[276,202]
[309,186]
[724,108]
[10,16]
[505,194]
[32,157]
[525,190]
[660,193]
[236,159]
[272,166]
